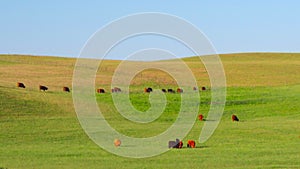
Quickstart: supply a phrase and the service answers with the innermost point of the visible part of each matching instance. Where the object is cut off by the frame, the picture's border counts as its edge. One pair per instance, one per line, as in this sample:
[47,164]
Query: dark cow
[203,88]
[148,90]
[164,90]
[171,91]
[100,91]
[201,117]
[234,118]
[44,88]
[191,144]
[66,89]
[21,85]
[179,90]
[175,144]
[195,88]
[115,90]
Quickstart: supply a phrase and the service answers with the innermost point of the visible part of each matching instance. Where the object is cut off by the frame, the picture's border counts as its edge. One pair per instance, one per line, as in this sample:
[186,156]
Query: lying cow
[21,85]
[234,118]
[43,88]
[164,90]
[191,144]
[175,144]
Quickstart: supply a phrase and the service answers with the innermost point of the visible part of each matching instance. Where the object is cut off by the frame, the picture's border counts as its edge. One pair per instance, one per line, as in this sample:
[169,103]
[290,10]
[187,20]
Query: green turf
[41,130]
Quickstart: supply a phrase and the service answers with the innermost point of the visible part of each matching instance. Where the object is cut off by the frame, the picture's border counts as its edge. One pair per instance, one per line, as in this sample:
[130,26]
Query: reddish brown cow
[201,117]
[66,89]
[179,90]
[148,90]
[21,85]
[100,91]
[191,144]
[234,118]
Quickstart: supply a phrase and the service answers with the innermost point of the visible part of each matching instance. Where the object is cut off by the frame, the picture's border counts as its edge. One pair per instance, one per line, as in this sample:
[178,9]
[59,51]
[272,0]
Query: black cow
[44,88]
[164,90]
[148,90]
[21,85]
[171,91]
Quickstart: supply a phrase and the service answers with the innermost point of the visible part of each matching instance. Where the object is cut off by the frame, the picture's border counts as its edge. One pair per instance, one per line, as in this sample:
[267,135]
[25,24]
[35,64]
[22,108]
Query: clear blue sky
[61,28]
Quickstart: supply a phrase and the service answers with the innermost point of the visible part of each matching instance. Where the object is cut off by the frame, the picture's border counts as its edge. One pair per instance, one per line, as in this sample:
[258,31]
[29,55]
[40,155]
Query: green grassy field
[41,130]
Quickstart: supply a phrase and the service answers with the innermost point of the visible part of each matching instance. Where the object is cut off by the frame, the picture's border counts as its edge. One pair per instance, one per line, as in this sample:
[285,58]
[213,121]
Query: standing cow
[234,118]
[43,88]
[100,91]
[21,85]
[66,89]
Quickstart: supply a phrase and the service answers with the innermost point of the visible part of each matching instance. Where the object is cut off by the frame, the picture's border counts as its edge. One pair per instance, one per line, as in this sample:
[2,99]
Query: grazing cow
[179,90]
[175,144]
[195,88]
[66,89]
[203,88]
[164,90]
[234,118]
[148,90]
[115,90]
[191,144]
[201,117]
[21,85]
[100,91]
[44,88]
[171,91]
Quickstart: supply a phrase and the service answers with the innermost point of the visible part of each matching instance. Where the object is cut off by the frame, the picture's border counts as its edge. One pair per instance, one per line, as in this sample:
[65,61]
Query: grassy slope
[40,130]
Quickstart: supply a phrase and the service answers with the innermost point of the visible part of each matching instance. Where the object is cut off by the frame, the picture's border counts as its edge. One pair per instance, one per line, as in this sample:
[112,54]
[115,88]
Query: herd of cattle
[172,144]
[114,90]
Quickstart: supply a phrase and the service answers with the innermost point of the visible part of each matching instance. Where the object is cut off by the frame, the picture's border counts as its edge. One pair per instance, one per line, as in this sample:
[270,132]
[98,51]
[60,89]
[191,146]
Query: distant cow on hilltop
[21,85]
[148,90]
[100,91]
[43,88]
[179,90]
[66,89]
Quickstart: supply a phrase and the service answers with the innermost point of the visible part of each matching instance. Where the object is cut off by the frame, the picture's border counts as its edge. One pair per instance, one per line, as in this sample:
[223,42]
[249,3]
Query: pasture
[40,129]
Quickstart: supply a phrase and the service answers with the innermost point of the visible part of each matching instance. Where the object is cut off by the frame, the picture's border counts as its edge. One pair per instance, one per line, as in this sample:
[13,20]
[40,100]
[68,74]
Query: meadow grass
[41,130]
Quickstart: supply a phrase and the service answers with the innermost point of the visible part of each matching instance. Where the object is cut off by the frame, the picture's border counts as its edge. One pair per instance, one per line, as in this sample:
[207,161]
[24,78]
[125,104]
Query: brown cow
[44,88]
[100,91]
[66,89]
[148,90]
[203,88]
[179,90]
[115,90]
[201,117]
[195,88]
[234,118]
[191,144]
[21,85]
